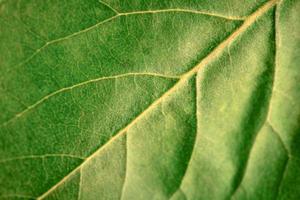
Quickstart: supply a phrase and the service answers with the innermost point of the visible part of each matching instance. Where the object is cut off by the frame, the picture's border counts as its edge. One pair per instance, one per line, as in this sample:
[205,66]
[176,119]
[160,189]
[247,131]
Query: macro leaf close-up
[150,99]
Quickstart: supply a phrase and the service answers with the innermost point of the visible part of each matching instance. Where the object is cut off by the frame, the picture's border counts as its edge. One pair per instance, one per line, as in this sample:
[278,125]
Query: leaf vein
[109,6]
[262,125]
[17,196]
[119,14]
[185,77]
[194,144]
[43,99]
[39,157]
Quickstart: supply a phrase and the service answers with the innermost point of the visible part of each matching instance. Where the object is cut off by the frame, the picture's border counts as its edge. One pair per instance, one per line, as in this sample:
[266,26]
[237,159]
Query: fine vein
[110,7]
[185,77]
[13,196]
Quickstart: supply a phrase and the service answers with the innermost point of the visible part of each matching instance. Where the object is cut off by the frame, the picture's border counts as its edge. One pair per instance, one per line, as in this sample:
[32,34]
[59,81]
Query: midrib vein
[185,77]
[118,14]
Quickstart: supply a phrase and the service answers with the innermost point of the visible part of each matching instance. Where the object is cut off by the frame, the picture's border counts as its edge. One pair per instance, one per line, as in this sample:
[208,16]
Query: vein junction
[118,14]
[183,79]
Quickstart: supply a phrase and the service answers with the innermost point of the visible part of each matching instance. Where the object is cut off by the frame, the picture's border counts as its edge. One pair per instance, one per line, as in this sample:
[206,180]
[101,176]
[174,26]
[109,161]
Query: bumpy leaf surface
[152,99]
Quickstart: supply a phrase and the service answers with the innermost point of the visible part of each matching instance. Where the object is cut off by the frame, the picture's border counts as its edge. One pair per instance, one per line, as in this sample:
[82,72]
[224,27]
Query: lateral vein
[272,2]
[20,114]
[119,14]
[238,18]
[185,77]
[39,157]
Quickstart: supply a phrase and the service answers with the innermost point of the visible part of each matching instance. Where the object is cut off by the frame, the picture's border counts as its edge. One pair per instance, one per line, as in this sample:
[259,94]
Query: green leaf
[134,99]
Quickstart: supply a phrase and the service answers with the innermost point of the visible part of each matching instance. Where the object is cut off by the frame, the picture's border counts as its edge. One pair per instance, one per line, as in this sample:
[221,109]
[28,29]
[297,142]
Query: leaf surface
[149,99]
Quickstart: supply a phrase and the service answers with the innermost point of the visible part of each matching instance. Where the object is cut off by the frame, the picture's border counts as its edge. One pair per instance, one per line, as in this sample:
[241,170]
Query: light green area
[68,190]
[231,111]
[151,99]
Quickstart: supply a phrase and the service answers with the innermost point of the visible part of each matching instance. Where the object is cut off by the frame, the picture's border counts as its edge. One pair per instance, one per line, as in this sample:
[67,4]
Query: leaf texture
[176,100]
